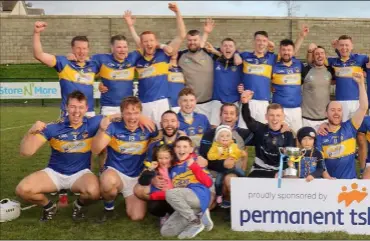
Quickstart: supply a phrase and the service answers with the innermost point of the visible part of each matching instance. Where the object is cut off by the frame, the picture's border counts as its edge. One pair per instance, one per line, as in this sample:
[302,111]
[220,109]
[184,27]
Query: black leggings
[159,208]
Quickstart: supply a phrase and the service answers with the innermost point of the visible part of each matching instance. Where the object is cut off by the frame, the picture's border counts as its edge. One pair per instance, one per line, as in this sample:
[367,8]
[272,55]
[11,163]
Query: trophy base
[290,176]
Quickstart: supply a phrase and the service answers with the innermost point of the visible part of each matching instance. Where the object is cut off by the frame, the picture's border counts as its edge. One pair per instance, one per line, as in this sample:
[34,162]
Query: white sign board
[299,206]
[35,90]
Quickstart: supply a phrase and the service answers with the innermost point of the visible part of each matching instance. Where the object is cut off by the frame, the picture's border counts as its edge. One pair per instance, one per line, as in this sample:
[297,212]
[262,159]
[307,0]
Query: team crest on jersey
[89,69]
[187,61]
[234,68]
[290,71]
[296,69]
[200,130]
[85,134]
[274,140]
[218,67]
[263,61]
[191,131]
[142,136]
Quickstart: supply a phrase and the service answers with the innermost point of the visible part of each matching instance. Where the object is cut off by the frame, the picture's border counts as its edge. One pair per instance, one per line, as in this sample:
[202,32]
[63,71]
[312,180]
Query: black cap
[306,131]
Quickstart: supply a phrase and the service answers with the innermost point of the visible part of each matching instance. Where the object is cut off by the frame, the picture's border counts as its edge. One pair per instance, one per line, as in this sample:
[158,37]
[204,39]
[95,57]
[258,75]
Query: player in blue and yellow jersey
[339,145]
[192,123]
[257,72]
[153,69]
[69,163]
[190,195]
[227,76]
[126,146]
[363,138]
[73,75]
[344,66]
[286,84]
[117,72]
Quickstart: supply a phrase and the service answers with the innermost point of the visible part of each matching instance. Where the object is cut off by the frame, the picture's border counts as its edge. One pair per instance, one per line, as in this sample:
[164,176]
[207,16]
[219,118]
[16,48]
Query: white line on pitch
[14,127]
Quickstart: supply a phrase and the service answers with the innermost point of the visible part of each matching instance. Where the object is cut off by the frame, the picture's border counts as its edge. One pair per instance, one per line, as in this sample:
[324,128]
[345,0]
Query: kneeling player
[69,163]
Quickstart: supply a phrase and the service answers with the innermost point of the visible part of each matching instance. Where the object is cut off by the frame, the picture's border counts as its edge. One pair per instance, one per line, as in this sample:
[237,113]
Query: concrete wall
[16,32]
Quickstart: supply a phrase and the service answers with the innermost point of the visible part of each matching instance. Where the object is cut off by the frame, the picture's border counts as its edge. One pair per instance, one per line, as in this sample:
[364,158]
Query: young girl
[312,164]
[190,196]
[224,147]
[163,158]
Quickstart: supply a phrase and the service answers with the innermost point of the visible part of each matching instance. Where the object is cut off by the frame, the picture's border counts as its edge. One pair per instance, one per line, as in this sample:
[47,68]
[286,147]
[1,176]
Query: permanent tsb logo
[348,197]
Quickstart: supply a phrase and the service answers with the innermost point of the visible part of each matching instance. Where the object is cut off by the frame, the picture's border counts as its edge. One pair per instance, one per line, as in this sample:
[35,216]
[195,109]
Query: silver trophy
[294,155]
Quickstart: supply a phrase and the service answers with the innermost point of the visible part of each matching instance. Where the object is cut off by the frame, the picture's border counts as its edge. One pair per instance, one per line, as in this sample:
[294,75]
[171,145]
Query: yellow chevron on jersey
[80,77]
[117,74]
[184,179]
[176,77]
[346,71]
[153,70]
[129,147]
[342,149]
[257,69]
[287,79]
[77,146]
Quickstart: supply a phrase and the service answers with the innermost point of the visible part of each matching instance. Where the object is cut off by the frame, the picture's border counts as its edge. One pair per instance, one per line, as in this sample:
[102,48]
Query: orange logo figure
[350,196]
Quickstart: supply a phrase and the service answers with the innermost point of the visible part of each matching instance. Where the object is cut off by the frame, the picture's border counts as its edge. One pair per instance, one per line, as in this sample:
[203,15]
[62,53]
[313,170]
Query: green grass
[27,226]
[26,71]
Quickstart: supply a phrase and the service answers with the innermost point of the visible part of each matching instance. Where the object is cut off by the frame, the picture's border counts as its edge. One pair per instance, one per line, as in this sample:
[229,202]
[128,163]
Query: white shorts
[258,110]
[175,109]
[349,107]
[312,123]
[128,183]
[110,110]
[155,109]
[367,165]
[293,117]
[216,111]
[62,181]
[205,109]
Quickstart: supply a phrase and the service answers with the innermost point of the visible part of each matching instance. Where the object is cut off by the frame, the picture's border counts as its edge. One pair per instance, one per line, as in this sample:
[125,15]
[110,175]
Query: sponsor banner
[300,206]
[35,90]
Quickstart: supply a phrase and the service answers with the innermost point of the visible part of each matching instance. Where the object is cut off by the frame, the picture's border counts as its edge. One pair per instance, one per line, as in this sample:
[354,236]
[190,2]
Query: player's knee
[136,216]
[93,192]
[23,190]
[108,184]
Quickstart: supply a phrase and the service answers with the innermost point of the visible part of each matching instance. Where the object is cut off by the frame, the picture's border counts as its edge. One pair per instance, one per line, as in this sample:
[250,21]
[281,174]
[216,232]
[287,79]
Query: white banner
[299,206]
[35,90]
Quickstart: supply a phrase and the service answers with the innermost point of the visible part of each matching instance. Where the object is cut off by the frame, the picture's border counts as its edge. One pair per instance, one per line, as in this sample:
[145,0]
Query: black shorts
[159,208]
[263,174]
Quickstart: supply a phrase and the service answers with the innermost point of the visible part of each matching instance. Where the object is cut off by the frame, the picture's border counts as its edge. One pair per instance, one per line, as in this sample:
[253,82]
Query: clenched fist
[38,127]
[40,26]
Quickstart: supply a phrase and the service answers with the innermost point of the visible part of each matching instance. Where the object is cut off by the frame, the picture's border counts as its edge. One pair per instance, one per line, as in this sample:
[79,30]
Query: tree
[292,7]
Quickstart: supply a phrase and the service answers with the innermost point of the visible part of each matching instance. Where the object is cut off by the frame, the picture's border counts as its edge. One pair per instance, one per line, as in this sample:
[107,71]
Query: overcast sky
[344,9]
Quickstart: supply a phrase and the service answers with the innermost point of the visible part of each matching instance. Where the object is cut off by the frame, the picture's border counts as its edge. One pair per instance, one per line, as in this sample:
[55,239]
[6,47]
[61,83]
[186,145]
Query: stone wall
[16,32]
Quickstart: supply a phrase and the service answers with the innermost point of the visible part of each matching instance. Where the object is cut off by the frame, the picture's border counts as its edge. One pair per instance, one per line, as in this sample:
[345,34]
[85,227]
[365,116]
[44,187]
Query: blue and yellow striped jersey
[286,84]
[365,128]
[152,75]
[183,177]
[195,128]
[176,82]
[257,72]
[116,76]
[338,149]
[227,77]
[127,149]
[74,77]
[70,147]
[343,75]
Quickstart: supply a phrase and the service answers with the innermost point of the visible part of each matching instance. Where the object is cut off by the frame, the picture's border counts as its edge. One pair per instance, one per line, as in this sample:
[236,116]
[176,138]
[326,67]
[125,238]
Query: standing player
[69,163]
[152,69]
[197,67]
[339,145]
[73,75]
[126,145]
[364,147]
[316,80]
[192,123]
[257,72]
[346,91]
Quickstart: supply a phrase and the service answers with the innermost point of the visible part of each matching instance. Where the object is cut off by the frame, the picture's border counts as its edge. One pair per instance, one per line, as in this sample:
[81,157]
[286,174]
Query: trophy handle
[281,150]
[303,151]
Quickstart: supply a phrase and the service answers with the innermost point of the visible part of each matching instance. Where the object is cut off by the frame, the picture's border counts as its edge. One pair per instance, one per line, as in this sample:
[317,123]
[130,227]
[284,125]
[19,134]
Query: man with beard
[339,145]
[152,69]
[347,63]
[257,72]
[197,67]
[316,88]
[286,84]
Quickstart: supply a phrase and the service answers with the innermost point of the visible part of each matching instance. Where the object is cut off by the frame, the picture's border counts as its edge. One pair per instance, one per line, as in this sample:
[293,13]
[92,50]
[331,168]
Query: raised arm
[33,140]
[181,29]
[251,123]
[207,29]
[38,53]
[130,21]
[310,50]
[304,32]
[101,139]
[359,115]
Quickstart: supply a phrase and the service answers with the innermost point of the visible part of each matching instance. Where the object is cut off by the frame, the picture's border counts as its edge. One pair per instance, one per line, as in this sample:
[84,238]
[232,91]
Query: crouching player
[69,163]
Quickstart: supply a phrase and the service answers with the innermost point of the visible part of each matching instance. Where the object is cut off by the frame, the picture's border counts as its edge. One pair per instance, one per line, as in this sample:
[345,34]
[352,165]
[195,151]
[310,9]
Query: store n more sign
[298,206]
[34,90]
